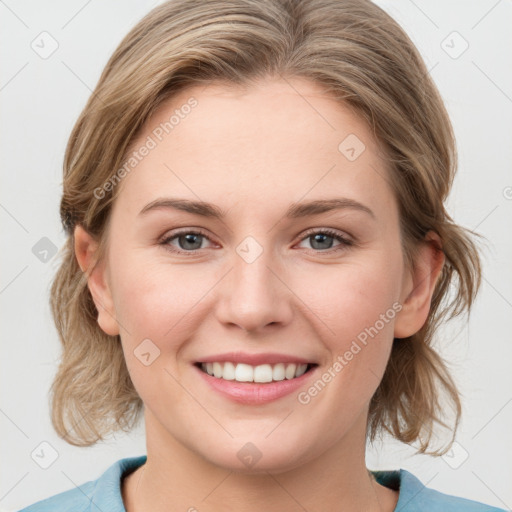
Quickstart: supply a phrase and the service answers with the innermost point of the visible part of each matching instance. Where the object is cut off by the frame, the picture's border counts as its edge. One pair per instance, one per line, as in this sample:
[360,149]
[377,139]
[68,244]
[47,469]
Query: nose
[255,295]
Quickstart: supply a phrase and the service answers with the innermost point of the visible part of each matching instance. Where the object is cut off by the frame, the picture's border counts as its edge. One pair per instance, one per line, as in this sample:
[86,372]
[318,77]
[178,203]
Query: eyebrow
[295,210]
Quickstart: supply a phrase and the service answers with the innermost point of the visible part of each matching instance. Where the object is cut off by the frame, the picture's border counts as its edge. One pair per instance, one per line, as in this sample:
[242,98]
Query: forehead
[275,141]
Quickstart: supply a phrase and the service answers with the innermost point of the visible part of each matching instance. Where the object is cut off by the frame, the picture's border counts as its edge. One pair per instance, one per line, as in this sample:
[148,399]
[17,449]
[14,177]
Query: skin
[253,152]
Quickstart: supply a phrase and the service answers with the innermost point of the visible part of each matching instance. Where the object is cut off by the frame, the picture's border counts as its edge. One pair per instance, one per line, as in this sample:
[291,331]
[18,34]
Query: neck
[176,478]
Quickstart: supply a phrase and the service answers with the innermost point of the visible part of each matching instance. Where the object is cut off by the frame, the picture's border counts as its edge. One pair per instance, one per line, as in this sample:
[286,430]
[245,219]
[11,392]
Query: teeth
[228,372]
[243,373]
[246,373]
[301,370]
[263,373]
[217,370]
[278,372]
[289,373]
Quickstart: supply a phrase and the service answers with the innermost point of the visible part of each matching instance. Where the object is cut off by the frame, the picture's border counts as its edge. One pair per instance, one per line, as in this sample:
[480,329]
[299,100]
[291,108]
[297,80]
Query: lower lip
[253,393]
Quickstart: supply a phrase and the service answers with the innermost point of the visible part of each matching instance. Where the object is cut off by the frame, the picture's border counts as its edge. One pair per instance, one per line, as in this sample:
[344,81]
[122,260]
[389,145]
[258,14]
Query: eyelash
[345,242]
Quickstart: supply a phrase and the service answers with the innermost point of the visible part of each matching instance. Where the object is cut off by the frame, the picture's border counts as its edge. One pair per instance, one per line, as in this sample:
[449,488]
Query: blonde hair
[364,59]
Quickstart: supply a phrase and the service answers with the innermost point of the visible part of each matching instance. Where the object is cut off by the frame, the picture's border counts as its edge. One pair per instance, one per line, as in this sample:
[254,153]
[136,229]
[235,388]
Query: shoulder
[77,499]
[416,497]
[103,493]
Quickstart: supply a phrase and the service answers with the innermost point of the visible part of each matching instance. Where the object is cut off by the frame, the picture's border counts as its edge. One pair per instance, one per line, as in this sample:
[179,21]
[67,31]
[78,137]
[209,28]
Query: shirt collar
[107,492]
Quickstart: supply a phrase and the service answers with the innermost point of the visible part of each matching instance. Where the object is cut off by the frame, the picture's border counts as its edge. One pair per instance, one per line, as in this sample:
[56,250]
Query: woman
[258,258]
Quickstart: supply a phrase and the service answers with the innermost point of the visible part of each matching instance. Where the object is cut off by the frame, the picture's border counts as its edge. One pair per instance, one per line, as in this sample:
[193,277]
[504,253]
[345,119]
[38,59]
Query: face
[265,286]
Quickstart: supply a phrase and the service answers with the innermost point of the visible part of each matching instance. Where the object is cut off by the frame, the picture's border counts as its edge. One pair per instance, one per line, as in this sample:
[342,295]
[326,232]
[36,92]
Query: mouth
[255,379]
[260,374]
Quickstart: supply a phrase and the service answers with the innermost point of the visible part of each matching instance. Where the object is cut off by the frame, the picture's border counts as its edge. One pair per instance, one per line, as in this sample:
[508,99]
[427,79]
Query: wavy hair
[365,60]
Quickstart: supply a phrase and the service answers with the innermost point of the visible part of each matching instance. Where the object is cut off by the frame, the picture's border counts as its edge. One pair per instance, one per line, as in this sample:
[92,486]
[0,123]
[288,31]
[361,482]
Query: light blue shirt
[105,493]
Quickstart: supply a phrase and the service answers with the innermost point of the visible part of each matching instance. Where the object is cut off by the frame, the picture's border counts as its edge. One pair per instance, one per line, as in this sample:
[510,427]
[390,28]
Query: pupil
[190,239]
[320,238]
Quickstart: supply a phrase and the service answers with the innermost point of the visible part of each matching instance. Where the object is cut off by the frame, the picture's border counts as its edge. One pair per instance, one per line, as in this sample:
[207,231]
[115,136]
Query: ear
[86,253]
[418,287]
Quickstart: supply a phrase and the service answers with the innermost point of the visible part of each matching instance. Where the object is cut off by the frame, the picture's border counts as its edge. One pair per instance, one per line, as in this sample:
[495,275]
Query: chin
[258,457]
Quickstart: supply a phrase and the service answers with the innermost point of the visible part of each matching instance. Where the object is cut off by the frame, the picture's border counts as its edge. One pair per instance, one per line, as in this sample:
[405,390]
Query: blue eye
[188,242]
[321,238]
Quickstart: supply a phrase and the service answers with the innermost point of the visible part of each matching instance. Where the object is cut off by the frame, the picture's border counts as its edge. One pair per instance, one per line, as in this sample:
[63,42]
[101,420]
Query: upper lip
[255,359]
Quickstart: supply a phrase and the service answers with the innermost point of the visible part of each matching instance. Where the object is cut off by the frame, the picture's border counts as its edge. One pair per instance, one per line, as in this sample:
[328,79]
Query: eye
[187,241]
[322,239]
[190,241]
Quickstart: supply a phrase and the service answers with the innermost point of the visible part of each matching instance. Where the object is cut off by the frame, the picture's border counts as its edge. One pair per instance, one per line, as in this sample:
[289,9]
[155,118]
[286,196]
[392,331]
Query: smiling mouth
[260,374]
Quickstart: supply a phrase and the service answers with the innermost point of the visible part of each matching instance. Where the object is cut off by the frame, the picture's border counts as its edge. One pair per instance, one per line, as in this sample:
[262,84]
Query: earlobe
[86,248]
[418,287]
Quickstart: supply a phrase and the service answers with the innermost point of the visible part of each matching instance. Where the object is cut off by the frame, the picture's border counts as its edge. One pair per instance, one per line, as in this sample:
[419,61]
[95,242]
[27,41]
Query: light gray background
[40,101]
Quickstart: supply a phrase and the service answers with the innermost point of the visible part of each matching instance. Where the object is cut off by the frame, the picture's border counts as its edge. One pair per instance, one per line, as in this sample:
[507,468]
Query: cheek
[154,296]
[160,303]
[158,307]
[355,307]
[347,300]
